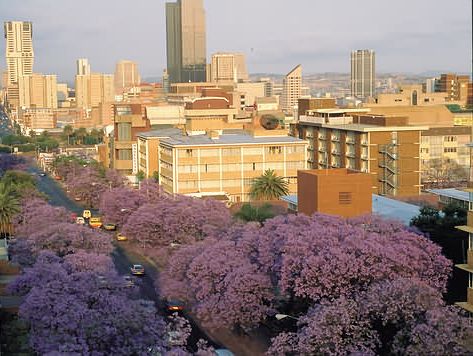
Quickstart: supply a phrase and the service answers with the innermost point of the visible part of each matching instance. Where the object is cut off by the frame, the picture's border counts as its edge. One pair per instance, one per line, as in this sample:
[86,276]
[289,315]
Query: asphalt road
[121,259]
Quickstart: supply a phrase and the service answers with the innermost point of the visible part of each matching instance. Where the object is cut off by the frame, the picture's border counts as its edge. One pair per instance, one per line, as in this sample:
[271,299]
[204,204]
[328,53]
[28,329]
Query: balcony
[336,138]
[350,154]
[322,137]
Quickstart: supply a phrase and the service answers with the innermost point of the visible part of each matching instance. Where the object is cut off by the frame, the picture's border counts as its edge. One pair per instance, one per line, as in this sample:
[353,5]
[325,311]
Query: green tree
[80,133]
[249,212]
[269,186]
[140,176]
[67,133]
[155,176]
[9,206]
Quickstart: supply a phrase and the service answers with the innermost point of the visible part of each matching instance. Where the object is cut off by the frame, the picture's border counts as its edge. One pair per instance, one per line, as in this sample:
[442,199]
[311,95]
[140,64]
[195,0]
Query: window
[124,131]
[344,198]
[450,138]
[188,184]
[210,168]
[252,151]
[125,154]
[214,184]
[186,153]
[231,152]
[275,165]
[273,150]
[450,150]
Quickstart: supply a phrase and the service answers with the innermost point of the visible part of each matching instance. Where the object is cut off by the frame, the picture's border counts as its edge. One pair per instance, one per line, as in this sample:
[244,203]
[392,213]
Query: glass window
[125,154]
[124,131]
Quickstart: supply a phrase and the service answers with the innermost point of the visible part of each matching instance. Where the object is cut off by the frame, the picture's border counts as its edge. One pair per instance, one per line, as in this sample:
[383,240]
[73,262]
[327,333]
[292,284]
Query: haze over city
[408,36]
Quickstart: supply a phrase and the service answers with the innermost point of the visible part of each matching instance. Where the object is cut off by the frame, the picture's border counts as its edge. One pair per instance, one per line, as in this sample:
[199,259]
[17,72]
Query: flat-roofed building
[93,89]
[339,191]
[37,119]
[227,163]
[228,67]
[291,92]
[384,146]
[38,90]
[411,95]
[455,86]
[126,76]
[362,73]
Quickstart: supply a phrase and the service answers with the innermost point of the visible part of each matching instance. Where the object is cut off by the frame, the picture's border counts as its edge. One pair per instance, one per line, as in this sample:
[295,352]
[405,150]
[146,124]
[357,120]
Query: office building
[36,119]
[410,95]
[83,66]
[384,146]
[93,89]
[228,67]
[268,87]
[306,104]
[341,192]
[186,41]
[291,93]
[362,73]
[126,76]
[37,90]
[19,49]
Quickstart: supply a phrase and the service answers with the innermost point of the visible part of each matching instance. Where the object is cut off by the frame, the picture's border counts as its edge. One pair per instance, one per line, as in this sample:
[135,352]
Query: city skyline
[408,40]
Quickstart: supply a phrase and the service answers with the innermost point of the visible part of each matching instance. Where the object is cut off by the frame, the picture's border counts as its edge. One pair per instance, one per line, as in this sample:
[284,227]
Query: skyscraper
[126,76]
[291,90]
[228,67]
[83,66]
[362,73]
[186,41]
[19,49]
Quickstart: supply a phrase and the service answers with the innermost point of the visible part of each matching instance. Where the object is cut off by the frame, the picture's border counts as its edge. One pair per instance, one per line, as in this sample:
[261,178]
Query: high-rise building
[456,86]
[362,73]
[268,86]
[126,76]
[291,89]
[186,41]
[83,66]
[165,81]
[228,67]
[19,49]
[38,90]
[93,89]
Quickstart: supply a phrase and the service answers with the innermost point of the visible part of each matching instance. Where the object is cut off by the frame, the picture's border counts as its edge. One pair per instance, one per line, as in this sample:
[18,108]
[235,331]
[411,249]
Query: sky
[412,36]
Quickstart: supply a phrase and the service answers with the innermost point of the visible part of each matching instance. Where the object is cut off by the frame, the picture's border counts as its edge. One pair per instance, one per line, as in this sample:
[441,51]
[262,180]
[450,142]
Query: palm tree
[253,213]
[9,206]
[269,186]
[67,132]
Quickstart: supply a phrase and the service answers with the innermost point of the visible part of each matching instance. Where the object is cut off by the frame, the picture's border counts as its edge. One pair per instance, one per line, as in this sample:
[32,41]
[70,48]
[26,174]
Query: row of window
[236,167]
[237,151]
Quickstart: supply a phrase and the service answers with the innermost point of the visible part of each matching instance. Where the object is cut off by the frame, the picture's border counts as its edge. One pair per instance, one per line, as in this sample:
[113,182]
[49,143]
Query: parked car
[95,222]
[110,227]
[137,270]
[87,214]
[80,220]
[174,305]
[121,237]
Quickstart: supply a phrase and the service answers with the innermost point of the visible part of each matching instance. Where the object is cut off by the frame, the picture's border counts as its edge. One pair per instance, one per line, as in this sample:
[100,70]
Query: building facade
[455,86]
[186,48]
[37,119]
[227,163]
[126,76]
[228,67]
[83,66]
[291,93]
[38,90]
[340,192]
[93,89]
[362,73]
[383,146]
[19,49]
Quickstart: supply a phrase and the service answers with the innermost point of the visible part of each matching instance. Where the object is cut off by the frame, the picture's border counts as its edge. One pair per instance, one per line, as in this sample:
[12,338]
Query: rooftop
[164,132]
[371,128]
[228,139]
[451,193]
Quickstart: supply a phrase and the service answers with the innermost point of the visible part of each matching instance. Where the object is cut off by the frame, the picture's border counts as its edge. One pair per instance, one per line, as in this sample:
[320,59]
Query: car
[57,177]
[87,214]
[121,237]
[42,174]
[110,227]
[95,222]
[137,270]
[223,352]
[77,198]
[80,220]
[174,305]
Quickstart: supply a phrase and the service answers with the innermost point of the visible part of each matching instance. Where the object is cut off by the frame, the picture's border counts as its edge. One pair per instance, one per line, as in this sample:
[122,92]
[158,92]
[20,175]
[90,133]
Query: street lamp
[284,316]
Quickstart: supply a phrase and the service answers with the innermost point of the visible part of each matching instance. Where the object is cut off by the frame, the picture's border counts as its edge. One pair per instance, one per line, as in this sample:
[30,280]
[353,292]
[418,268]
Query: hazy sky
[407,35]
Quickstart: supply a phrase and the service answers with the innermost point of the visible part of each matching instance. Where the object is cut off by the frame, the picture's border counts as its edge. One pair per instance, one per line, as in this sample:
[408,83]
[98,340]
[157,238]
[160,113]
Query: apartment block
[126,76]
[227,163]
[228,67]
[468,267]
[307,104]
[37,119]
[129,120]
[291,93]
[411,95]
[341,192]
[455,86]
[93,89]
[38,90]
[384,146]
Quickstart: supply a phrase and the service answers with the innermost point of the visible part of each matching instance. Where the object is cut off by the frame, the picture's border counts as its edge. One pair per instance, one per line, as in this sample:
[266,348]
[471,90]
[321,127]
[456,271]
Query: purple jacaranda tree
[37,214]
[117,204]
[80,314]
[83,261]
[294,262]
[182,220]
[66,238]
[9,162]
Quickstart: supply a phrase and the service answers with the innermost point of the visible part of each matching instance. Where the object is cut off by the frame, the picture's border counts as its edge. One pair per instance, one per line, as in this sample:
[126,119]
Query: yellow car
[95,222]
[87,214]
[110,227]
[121,237]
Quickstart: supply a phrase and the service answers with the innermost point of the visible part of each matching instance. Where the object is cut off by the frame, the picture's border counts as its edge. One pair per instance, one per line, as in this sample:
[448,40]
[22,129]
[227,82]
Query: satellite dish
[269,122]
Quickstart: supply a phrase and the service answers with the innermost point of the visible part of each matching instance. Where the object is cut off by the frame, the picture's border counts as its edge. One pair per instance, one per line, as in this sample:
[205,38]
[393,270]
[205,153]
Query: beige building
[455,86]
[249,92]
[38,90]
[431,115]
[291,89]
[93,89]
[37,119]
[362,73]
[411,95]
[83,66]
[228,67]
[19,49]
[227,164]
[126,76]
[384,146]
